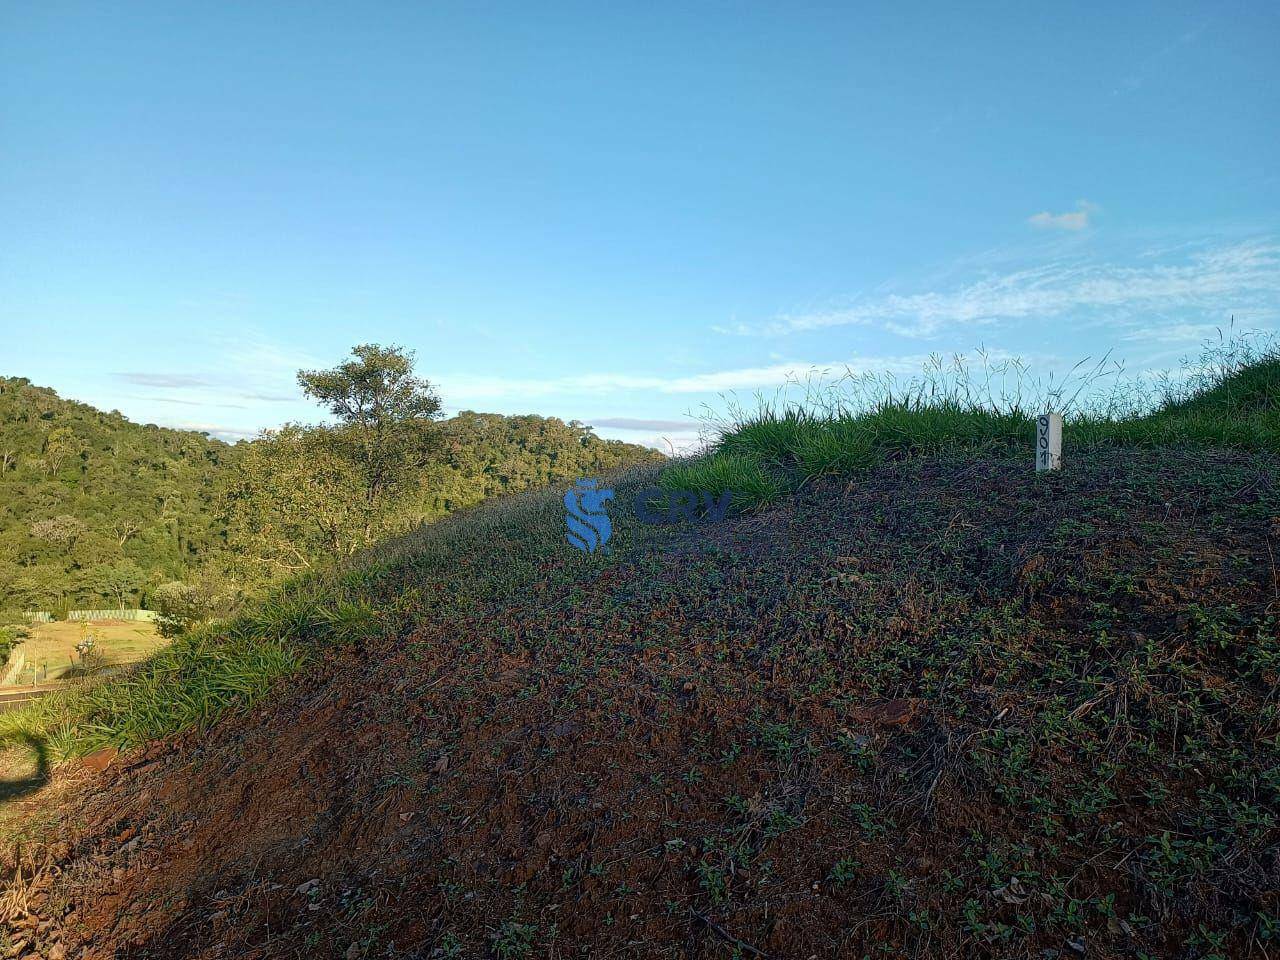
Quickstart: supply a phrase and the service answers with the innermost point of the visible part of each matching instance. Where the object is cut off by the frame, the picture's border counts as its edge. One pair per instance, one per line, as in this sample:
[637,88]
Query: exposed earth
[948,709]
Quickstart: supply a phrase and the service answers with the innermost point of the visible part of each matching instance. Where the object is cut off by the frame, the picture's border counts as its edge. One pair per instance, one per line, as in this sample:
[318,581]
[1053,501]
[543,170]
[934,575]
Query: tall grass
[194,681]
[742,476]
[189,684]
[1229,396]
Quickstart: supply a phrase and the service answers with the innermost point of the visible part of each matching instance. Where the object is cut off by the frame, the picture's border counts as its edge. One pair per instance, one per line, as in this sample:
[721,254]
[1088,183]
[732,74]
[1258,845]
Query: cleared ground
[947,709]
[116,642]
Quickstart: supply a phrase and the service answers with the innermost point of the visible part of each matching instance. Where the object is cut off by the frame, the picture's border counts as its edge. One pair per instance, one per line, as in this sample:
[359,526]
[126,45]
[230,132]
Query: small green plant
[714,883]
[513,940]
[780,822]
[448,947]
[844,871]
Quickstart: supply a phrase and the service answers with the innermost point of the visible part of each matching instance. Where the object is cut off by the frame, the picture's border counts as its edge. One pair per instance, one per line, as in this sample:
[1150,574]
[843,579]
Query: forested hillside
[486,455]
[98,511]
[93,507]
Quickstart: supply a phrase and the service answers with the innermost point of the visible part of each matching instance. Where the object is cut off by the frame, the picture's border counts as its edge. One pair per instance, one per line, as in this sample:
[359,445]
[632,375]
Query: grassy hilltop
[910,700]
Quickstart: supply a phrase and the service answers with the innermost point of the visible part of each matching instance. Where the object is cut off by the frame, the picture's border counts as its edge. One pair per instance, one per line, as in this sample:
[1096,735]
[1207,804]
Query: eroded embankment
[947,709]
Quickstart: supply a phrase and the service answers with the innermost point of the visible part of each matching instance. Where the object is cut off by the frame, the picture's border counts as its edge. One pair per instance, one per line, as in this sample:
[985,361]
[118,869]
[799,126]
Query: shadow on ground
[23,771]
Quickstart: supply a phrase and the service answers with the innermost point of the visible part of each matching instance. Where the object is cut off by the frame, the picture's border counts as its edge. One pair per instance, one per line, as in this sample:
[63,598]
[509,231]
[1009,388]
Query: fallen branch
[728,937]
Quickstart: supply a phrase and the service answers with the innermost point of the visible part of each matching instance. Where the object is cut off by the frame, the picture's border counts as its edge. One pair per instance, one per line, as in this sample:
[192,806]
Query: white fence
[44,616]
[124,614]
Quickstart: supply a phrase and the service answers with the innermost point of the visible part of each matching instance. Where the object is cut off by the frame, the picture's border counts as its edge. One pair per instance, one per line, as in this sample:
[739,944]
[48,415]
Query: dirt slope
[950,709]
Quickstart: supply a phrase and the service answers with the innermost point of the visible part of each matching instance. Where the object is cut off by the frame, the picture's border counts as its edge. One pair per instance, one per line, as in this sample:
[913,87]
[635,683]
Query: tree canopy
[96,510]
[84,493]
[384,416]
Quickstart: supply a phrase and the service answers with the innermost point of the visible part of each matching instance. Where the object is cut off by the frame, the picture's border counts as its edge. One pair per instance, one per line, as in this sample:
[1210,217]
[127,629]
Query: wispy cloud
[197,403]
[634,423]
[1159,62]
[1173,333]
[266,361]
[672,437]
[1220,280]
[673,446]
[246,371]
[1076,219]
[229,434]
[474,388]
[166,381]
[247,368]
[243,387]
[272,397]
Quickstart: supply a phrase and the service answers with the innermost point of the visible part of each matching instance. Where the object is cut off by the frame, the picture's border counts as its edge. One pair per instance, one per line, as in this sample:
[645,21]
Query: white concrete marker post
[1048,442]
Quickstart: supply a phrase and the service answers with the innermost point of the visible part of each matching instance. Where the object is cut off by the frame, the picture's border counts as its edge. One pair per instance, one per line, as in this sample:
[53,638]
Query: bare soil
[948,710]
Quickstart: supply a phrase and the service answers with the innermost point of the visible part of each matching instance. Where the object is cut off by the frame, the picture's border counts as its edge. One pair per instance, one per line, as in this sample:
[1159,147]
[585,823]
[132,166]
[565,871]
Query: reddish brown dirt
[763,763]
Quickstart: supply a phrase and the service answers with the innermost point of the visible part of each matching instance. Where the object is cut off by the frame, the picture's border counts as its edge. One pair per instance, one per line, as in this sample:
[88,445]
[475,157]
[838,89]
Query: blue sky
[618,212]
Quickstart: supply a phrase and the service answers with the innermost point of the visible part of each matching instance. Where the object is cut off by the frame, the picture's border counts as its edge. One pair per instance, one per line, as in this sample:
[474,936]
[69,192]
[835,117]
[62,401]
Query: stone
[100,759]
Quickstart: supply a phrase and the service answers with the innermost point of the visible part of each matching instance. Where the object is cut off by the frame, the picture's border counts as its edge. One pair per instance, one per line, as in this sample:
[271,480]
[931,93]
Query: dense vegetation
[94,508]
[927,704]
[96,511]
[10,636]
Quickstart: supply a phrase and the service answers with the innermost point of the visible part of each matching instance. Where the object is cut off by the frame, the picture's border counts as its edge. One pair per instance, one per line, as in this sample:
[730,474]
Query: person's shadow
[14,787]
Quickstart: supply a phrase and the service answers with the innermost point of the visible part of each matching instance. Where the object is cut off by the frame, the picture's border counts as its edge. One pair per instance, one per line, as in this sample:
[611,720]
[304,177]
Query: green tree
[296,497]
[10,636]
[40,587]
[181,607]
[384,413]
[61,446]
[302,493]
[81,488]
[118,581]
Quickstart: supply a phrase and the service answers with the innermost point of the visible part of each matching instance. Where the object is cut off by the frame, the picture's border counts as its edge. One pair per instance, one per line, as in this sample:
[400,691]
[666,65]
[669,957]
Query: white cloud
[469,389]
[637,423]
[243,367]
[229,434]
[688,439]
[1076,219]
[165,380]
[676,445]
[1219,280]
[674,437]
[1174,333]
[259,358]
